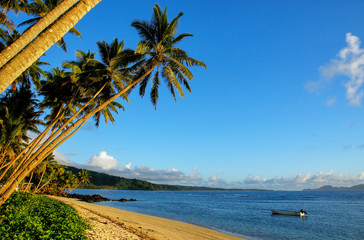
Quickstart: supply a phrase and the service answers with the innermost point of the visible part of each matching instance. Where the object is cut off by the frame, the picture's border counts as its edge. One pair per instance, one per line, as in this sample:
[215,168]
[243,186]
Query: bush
[30,216]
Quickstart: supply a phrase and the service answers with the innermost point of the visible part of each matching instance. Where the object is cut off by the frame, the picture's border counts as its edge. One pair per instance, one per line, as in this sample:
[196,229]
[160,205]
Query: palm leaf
[145,30]
[172,79]
[154,93]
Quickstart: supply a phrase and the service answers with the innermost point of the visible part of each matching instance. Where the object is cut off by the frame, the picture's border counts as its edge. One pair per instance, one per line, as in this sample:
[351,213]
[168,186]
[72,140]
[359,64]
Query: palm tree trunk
[18,176]
[40,181]
[16,66]
[30,179]
[34,31]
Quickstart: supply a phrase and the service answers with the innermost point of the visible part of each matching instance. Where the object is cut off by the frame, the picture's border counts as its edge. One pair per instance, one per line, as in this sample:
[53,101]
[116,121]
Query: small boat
[301,213]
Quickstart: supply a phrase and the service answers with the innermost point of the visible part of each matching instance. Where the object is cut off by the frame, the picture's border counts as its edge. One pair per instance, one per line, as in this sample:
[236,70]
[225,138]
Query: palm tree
[54,171]
[158,46]
[97,75]
[46,32]
[89,84]
[19,116]
[40,9]
[83,177]
[156,53]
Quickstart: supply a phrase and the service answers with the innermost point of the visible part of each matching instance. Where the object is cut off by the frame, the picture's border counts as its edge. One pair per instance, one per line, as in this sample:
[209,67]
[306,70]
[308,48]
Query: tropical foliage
[89,88]
[30,216]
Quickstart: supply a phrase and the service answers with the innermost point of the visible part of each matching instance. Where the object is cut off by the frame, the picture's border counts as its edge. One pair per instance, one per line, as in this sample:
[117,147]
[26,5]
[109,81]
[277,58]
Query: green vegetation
[30,216]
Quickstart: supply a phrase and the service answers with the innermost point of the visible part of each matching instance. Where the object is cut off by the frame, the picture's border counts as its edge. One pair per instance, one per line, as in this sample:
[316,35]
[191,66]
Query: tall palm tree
[46,32]
[40,9]
[156,53]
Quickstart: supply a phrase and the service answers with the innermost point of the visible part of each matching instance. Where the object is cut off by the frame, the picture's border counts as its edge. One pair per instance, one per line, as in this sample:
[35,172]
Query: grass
[30,216]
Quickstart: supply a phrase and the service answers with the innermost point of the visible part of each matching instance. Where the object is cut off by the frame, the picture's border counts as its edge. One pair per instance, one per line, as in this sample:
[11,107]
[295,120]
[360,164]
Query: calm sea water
[331,215]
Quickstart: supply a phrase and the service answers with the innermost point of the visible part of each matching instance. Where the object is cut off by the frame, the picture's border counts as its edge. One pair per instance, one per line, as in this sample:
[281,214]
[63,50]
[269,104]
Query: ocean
[331,215]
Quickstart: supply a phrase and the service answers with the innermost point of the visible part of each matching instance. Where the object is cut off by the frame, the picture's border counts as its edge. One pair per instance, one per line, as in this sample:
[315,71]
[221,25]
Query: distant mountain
[106,181]
[359,187]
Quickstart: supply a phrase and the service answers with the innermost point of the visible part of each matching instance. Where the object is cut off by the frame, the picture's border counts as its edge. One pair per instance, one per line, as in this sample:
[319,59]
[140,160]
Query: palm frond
[154,93]
[29,21]
[180,37]
[143,47]
[171,77]
[180,67]
[75,32]
[143,85]
[145,30]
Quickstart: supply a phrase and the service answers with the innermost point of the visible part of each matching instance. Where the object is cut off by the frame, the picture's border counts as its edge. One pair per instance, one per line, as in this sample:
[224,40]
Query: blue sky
[278,107]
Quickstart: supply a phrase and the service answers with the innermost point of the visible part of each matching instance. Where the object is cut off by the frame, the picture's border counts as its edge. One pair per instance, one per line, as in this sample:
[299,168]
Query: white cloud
[103,161]
[128,165]
[350,63]
[215,181]
[213,178]
[171,175]
[61,158]
[308,180]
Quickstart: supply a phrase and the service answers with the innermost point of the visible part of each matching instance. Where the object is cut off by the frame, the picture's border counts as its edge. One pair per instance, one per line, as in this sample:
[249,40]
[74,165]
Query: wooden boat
[301,213]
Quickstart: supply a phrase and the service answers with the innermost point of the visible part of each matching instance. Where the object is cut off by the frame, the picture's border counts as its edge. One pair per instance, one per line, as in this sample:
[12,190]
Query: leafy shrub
[30,216]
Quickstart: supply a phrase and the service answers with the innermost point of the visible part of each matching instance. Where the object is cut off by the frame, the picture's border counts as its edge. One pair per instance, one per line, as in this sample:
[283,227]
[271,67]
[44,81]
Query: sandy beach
[113,223]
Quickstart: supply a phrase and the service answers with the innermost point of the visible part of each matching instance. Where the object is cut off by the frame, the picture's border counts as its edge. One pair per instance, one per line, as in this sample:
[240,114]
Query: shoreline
[113,223]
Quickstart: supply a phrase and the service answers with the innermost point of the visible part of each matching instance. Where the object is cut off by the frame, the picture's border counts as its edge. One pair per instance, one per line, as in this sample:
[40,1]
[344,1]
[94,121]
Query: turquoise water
[331,215]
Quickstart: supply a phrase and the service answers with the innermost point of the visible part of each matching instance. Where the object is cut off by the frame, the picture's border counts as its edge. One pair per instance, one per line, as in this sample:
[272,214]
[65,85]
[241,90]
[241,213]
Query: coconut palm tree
[158,45]
[40,9]
[156,55]
[46,32]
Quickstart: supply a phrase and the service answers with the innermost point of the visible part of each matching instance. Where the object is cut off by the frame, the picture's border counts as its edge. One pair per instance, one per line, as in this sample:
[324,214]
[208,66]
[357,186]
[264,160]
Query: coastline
[114,223]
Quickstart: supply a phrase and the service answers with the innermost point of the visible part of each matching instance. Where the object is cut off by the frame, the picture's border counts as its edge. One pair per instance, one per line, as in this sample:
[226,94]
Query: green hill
[106,181]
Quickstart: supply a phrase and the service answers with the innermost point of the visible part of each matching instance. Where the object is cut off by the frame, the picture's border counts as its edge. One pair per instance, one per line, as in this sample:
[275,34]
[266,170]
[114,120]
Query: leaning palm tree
[40,37]
[156,55]
[70,96]
[40,9]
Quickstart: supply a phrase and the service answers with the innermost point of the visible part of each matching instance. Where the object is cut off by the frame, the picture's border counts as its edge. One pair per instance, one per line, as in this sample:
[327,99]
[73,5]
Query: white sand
[113,223]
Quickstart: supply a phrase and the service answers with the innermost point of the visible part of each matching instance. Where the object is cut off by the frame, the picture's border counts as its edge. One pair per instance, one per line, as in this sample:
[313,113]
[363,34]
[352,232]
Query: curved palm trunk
[18,176]
[13,68]
[34,31]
